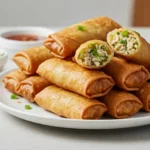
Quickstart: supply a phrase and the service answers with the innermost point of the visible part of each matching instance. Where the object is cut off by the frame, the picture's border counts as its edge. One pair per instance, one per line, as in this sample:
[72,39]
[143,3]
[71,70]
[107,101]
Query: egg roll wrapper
[148,68]
[68,104]
[72,77]
[141,56]
[64,43]
[127,76]
[121,104]
[29,60]
[85,45]
[12,80]
[144,95]
[29,87]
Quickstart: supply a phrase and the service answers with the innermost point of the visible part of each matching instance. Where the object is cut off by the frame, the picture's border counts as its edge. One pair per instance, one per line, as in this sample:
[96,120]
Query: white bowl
[3,58]
[13,46]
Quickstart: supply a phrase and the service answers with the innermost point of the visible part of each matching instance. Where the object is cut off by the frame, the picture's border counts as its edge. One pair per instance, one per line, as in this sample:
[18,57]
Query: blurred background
[59,13]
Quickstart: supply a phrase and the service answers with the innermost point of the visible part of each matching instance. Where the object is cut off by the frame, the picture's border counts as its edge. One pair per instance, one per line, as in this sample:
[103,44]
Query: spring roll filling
[124,42]
[127,108]
[94,55]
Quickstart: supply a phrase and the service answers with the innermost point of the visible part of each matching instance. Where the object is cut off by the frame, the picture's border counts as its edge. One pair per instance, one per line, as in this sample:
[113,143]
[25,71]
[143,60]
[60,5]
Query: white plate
[39,115]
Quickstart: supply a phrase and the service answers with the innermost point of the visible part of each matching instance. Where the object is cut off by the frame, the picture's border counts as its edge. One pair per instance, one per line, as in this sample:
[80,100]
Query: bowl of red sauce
[21,38]
[25,37]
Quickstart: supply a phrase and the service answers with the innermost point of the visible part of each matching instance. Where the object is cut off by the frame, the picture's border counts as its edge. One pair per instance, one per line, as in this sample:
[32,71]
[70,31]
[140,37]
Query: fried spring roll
[130,45]
[94,54]
[29,87]
[71,76]
[13,79]
[144,95]
[68,104]
[127,76]
[121,104]
[64,43]
[29,60]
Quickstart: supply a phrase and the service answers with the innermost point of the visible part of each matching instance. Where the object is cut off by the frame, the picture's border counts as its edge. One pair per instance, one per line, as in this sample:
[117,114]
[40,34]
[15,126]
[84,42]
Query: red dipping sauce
[25,37]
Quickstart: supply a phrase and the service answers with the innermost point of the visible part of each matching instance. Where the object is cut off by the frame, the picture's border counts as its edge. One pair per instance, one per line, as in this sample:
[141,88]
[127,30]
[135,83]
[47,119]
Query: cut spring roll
[29,87]
[71,76]
[68,104]
[64,43]
[144,95]
[93,54]
[121,104]
[29,60]
[13,79]
[127,76]
[130,45]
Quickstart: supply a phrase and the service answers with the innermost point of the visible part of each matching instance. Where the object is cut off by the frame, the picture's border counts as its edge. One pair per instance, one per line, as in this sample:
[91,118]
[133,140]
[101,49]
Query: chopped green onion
[94,52]
[28,107]
[124,42]
[82,28]
[125,33]
[14,96]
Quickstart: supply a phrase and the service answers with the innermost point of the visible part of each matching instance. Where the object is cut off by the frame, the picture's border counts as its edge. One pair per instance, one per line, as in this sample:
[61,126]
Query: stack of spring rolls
[84,71]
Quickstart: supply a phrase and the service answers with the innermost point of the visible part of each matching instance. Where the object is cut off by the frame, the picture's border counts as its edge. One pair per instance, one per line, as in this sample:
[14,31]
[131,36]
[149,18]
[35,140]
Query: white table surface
[17,134]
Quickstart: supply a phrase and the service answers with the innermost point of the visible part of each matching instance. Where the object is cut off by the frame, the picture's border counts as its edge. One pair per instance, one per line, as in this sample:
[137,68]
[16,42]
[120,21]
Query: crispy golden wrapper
[144,95]
[121,104]
[72,77]
[29,60]
[29,87]
[13,79]
[68,104]
[127,76]
[64,43]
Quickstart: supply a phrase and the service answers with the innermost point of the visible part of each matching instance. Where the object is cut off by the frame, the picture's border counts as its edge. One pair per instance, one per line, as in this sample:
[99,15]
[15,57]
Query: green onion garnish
[14,96]
[124,42]
[82,28]
[125,33]
[28,107]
